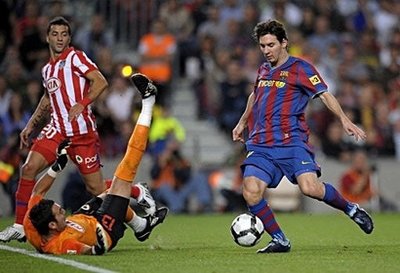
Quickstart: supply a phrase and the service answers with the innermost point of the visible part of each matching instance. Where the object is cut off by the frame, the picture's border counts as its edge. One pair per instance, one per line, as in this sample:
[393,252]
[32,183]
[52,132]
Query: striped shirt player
[278,141]
[100,223]
[71,81]
[278,120]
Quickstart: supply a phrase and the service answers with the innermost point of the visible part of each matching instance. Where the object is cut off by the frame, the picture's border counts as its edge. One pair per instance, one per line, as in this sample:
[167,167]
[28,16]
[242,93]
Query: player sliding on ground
[99,224]
[278,134]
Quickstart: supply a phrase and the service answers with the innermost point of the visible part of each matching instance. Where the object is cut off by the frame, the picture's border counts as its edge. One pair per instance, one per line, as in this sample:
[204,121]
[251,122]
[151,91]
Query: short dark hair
[41,215]
[272,27]
[59,20]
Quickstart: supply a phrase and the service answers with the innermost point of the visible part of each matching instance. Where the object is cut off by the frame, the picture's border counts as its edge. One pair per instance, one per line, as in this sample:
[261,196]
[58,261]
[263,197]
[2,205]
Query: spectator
[166,132]
[358,184]
[179,23]
[157,49]
[16,117]
[34,48]
[174,183]
[120,99]
[234,91]
[94,36]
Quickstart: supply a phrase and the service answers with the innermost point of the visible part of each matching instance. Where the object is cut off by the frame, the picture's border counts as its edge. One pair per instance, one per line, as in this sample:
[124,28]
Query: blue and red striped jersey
[281,96]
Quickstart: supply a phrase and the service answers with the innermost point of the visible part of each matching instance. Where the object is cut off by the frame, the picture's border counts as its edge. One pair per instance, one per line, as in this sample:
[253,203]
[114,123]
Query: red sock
[24,191]
[135,191]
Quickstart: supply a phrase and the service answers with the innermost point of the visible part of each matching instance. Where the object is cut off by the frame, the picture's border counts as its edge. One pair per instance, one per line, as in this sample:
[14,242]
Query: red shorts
[83,151]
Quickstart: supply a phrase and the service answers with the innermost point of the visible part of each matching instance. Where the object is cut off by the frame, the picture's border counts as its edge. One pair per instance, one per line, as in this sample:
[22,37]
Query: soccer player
[99,224]
[72,81]
[277,144]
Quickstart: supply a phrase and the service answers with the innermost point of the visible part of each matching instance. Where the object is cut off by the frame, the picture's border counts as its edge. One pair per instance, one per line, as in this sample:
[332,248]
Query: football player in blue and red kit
[278,141]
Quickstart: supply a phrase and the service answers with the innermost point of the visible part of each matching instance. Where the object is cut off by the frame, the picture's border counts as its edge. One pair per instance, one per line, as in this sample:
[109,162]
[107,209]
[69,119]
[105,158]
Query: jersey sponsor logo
[314,80]
[75,226]
[90,162]
[270,83]
[53,84]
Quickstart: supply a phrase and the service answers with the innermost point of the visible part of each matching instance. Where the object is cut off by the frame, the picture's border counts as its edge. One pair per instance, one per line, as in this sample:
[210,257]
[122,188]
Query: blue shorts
[271,164]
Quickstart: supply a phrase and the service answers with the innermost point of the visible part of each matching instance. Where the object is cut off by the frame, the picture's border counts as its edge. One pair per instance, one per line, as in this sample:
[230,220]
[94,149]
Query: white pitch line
[59,260]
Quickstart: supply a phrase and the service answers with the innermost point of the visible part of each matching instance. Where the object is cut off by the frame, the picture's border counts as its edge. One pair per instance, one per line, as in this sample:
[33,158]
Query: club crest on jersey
[314,80]
[53,84]
[61,65]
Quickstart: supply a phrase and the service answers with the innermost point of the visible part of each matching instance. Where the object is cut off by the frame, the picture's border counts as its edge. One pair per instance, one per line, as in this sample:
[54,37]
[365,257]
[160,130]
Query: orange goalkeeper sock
[126,170]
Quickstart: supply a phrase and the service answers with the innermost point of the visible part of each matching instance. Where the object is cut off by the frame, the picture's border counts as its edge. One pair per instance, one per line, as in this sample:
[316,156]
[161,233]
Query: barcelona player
[277,144]
[99,224]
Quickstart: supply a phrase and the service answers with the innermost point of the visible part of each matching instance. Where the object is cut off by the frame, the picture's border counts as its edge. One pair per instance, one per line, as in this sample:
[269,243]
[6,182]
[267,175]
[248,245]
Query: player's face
[59,215]
[273,50]
[58,39]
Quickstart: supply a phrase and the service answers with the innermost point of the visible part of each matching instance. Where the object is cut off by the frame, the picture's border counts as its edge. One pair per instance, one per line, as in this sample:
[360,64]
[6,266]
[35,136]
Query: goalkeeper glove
[100,246]
[62,158]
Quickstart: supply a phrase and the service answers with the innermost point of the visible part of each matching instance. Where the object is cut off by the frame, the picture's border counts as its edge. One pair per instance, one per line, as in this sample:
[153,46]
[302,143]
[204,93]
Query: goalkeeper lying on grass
[100,223]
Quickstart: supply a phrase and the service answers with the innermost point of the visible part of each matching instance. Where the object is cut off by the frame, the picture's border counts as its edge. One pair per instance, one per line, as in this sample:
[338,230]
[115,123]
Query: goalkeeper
[99,224]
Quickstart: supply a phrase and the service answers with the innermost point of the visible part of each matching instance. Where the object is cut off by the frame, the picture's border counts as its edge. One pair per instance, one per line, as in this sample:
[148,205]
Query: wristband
[85,102]
[52,173]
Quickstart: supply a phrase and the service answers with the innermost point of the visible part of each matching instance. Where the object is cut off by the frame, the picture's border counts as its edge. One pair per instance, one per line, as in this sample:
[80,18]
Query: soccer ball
[247,229]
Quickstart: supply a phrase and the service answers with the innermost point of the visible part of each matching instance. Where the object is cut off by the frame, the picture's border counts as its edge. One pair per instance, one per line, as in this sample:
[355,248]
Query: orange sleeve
[71,246]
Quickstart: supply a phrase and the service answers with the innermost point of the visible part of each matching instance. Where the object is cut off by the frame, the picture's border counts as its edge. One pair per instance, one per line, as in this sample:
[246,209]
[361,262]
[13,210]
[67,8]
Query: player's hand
[100,246]
[24,137]
[75,111]
[62,157]
[237,133]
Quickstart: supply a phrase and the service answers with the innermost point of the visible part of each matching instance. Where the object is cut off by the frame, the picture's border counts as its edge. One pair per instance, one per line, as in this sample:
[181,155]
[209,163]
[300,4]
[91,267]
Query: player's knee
[252,195]
[30,169]
[311,188]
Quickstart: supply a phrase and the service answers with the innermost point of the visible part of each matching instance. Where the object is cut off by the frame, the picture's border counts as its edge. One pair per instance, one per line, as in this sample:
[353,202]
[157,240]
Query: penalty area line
[59,260]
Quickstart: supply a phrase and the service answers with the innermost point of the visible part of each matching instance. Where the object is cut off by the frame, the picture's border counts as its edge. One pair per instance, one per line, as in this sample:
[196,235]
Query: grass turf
[202,243]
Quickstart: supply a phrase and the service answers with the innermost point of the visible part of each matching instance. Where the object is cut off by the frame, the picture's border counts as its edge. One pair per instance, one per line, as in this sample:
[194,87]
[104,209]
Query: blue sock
[264,212]
[334,199]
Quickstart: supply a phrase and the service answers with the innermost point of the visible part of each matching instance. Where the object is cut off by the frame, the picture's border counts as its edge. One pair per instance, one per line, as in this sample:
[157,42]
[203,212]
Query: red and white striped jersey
[65,82]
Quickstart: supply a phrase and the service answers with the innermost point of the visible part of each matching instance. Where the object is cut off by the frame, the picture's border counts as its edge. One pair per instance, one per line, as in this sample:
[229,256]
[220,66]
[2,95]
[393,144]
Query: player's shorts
[271,164]
[111,216]
[83,151]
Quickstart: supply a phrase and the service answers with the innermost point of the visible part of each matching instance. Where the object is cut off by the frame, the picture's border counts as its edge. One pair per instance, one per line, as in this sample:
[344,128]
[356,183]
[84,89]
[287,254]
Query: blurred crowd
[355,44]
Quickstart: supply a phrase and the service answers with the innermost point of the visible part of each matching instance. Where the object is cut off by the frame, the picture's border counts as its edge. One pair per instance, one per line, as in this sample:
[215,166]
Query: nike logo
[249,154]
[90,166]
[305,162]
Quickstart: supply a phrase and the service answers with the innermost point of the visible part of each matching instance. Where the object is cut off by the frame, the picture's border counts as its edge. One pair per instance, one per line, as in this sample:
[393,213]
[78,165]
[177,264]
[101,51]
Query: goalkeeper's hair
[41,215]
[59,20]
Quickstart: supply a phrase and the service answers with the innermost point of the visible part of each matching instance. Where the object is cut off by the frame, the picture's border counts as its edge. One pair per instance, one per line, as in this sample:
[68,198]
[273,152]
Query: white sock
[147,111]
[137,223]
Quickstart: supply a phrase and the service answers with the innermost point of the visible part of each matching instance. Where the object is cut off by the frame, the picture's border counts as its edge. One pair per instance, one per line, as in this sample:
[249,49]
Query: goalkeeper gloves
[100,246]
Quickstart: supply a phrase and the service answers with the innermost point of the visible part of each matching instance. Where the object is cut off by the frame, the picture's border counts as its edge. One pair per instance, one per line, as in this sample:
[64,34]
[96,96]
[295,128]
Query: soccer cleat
[152,222]
[276,246]
[145,200]
[14,232]
[144,85]
[363,220]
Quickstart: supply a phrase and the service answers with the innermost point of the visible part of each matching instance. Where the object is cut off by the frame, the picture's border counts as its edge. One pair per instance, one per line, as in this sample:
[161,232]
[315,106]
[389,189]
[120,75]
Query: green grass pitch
[202,243]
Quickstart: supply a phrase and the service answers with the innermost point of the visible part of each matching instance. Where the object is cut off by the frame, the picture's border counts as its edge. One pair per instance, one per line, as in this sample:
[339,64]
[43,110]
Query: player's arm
[46,180]
[237,132]
[333,105]
[42,112]
[98,84]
